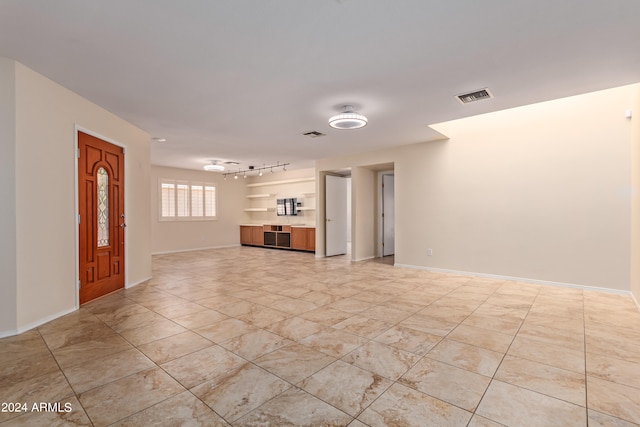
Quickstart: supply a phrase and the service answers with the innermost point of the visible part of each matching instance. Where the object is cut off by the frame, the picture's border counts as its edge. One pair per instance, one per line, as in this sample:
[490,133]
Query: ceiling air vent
[314,134]
[230,163]
[477,95]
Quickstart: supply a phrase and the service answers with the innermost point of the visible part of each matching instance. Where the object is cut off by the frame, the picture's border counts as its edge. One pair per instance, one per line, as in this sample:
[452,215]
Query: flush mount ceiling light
[214,167]
[348,119]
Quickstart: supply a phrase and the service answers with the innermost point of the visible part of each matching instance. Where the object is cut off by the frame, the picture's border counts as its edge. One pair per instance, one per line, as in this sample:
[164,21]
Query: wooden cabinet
[245,235]
[303,239]
[251,235]
[257,236]
[279,236]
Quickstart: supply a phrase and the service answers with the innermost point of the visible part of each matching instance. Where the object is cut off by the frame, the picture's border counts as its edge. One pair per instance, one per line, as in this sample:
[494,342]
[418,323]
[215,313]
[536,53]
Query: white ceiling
[243,79]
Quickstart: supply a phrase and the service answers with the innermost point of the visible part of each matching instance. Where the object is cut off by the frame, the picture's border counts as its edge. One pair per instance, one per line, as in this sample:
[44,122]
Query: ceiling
[241,80]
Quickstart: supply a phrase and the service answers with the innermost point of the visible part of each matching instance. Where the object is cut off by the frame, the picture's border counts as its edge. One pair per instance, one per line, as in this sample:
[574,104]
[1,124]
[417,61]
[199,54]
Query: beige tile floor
[254,337]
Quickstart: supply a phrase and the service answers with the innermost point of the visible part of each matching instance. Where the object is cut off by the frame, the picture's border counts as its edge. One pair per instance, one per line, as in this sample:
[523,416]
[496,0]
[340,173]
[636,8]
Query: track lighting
[260,170]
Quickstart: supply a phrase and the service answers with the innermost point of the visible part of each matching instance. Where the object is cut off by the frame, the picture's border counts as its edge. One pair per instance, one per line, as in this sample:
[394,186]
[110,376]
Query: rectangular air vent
[230,163]
[314,134]
[477,95]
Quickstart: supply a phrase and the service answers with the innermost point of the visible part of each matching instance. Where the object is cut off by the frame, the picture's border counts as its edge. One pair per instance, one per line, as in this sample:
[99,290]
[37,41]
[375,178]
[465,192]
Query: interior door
[335,215]
[101,217]
[388,220]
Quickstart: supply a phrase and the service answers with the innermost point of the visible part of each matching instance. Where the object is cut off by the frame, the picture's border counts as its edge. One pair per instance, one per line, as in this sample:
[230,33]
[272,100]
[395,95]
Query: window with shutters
[181,200]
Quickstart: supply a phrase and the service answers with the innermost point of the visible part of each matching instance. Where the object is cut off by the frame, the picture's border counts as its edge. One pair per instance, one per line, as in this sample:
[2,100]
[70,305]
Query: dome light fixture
[214,167]
[348,119]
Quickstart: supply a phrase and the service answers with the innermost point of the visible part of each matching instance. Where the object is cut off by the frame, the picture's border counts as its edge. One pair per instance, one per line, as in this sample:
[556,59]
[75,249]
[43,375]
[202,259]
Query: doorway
[101,220]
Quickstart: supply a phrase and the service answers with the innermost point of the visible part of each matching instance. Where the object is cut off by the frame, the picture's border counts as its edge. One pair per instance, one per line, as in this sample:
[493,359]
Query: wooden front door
[101,221]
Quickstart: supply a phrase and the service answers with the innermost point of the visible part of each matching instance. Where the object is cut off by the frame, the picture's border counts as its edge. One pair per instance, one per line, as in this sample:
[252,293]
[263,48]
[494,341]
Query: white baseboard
[131,285]
[37,323]
[51,317]
[4,334]
[633,297]
[195,249]
[517,279]
[364,259]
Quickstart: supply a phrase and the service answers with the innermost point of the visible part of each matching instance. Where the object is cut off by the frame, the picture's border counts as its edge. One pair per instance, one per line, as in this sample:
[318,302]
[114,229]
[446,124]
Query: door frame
[379,249]
[77,128]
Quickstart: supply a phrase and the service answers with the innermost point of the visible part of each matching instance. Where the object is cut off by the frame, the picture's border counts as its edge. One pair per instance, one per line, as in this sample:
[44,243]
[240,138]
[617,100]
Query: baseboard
[37,323]
[4,334]
[195,249]
[365,258]
[633,297]
[517,279]
[131,285]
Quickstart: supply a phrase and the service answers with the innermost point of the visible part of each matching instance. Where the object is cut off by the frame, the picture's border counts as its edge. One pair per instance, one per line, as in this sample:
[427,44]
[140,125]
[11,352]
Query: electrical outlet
[429,252]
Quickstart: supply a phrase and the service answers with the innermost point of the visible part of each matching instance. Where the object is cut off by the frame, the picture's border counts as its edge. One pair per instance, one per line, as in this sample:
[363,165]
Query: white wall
[364,213]
[538,192]
[349,212]
[635,193]
[175,236]
[46,118]
[8,282]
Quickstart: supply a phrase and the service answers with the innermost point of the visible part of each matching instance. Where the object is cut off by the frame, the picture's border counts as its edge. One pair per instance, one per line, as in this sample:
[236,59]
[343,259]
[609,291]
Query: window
[180,200]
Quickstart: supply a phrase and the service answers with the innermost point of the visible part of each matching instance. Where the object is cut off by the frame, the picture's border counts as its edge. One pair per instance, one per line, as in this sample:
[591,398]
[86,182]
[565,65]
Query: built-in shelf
[305,209]
[259,196]
[259,209]
[288,181]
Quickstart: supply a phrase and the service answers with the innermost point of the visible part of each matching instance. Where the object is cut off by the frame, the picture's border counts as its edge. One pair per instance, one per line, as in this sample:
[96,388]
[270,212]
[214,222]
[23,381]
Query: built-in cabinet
[265,228]
[303,239]
[279,236]
[251,235]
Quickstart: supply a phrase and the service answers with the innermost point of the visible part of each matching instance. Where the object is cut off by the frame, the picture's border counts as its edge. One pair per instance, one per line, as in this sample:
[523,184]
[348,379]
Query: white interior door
[335,215]
[388,219]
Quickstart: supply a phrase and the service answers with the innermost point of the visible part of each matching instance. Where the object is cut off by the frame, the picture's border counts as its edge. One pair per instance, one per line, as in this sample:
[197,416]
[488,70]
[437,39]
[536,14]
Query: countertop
[291,225]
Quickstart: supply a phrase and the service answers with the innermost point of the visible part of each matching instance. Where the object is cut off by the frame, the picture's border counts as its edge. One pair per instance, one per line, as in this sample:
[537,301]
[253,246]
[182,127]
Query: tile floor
[254,337]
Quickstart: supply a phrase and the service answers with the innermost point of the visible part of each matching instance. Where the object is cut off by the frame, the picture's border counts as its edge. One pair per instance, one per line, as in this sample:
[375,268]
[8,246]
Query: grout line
[331,284]
[586,383]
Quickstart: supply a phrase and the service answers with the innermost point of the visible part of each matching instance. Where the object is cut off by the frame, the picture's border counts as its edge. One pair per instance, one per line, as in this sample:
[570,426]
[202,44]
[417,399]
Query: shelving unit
[262,196]
[266,229]
[307,196]
[287,181]
[259,209]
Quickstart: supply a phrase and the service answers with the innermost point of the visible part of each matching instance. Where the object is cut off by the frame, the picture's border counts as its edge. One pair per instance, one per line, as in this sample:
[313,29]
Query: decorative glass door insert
[103,208]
